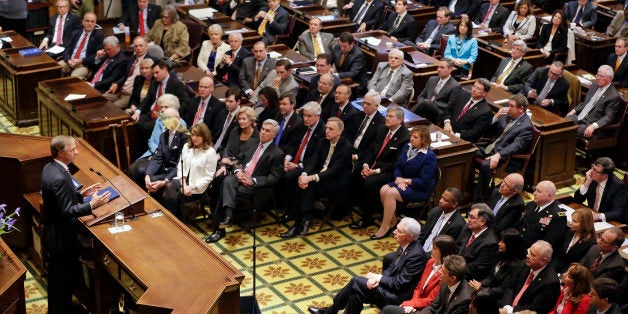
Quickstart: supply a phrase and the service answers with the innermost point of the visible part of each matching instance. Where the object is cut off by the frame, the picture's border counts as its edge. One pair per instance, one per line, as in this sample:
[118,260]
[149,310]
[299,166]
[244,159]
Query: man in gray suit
[600,106]
[513,72]
[392,79]
[314,42]
[280,79]
[439,92]
[255,69]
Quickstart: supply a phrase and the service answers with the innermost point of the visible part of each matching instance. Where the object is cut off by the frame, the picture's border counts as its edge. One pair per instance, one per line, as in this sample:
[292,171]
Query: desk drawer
[109,264]
[131,285]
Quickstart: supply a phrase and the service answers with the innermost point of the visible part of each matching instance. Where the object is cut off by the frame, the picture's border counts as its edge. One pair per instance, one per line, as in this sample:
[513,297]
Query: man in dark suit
[229,67]
[599,107]
[61,27]
[492,16]
[453,276]
[272,20]
[603,259]
[349,61]
[392,79]
[326,173]
[512,72]
[324,94]
[541,218]
[469,114]
[400,25]
[610,205]
[343,109]
[205,107]
[514,132]
[438,94]
[429,39]
[366,14]
[226,119]
[464,9]
[289,122]
[582,12]
[63,199]
[538,287]
[313,42]
[255,69]
[506,203]
[140,17]
[109,66]
[324,65]
[80,52]
[444,219]
[477,243]
[548,88]
[254,183]
[603,295]
[245,9]
[396,282]
[616,61]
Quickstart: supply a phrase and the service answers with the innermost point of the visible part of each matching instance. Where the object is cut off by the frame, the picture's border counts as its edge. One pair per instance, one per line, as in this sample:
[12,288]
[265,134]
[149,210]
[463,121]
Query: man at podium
[63,204]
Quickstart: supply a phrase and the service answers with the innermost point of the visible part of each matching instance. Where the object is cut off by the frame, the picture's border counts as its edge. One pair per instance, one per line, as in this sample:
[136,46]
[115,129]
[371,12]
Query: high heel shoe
[387,234]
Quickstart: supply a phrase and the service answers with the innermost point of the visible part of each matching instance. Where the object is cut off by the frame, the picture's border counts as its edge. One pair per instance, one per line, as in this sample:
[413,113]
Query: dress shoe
[361,224]
[227,222]
[291,233]
[306,227]
[286,218]
[387,234]
[318,310]
[217,235]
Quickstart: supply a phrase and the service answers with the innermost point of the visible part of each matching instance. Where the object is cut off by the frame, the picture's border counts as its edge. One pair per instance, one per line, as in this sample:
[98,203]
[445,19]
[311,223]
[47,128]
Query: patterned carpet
[291,274]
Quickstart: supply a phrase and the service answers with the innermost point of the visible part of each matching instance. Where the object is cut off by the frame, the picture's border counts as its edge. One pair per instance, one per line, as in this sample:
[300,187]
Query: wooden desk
[12,276]
[18,78]
[91,118]
[493,48]
[555,154]
[296,59]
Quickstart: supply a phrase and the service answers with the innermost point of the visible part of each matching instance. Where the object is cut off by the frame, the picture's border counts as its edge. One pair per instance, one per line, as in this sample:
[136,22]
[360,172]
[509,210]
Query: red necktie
[59,39]
[523,289]
[199,112]
[133,67]
[142,29]
[470,241]
[81,46]
[465,109]
[155,110]
[99,73]
[488,13]
[339,112]
[297,157]
[596,262]
[226,76]
[251,166]
[381,149]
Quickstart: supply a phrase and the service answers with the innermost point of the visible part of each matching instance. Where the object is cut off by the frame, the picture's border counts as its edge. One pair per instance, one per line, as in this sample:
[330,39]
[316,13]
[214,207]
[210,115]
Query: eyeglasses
[595,170]
[203,86]
[555,74]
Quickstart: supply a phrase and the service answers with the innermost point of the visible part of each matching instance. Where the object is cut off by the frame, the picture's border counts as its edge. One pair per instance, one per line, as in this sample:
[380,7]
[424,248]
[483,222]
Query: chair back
[195,32]
[573,96]
[443,45]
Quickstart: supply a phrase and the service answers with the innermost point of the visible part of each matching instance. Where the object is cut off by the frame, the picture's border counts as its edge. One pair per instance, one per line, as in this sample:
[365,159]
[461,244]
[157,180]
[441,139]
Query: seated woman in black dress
[241,139]
[140,87]
[269,105]
[414,178]
[576,242]
[553,37]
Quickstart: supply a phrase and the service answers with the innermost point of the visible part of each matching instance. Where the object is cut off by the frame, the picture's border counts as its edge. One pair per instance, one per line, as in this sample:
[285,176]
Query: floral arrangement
[8,220]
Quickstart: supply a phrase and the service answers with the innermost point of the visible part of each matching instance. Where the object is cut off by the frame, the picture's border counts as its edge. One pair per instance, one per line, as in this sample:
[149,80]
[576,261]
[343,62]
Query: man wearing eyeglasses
[616,61]
[600,106]
[603,259]
[547,87]
[61,26]
[506,202]
[604,192]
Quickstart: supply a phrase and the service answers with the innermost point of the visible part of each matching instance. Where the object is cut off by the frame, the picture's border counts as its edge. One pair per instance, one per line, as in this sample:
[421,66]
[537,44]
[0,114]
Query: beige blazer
[175,40]
[203,55]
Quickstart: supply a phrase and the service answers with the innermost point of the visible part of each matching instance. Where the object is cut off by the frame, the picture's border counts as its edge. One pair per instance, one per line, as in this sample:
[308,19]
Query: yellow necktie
[617,63]
[506,72]
[262,26]
[317,48]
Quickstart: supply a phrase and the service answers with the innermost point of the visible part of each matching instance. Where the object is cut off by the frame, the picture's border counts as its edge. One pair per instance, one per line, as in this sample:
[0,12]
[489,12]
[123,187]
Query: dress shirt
[472,104]
[78,44]
[358,138]
[392,134]
[602,185]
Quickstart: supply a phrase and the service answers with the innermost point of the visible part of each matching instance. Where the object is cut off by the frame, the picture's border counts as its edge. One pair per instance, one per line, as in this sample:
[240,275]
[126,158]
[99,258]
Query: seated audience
[581,12]
[61,27]
[80,53]
[280,79]
[604,192]
[577,242]
[599,107]
[616,61]
[603,259]
[492,16]
[269,105]
[392,79]
[367,14]
[455,292]
[507,203]
[574,296]
[444,219]
[205,107]
[255,68]
[477,243]
[272,20]
[170,34]
[313,42]
[603,295]
[139,17]
[513,72]
[109,67]
[397,280]
[553,38]
[541,218]
[521,23]
[617,27]
[349,61]
[548,88]
[469,114]
[141,83]
[429,39]
[400,25]
[462,48]
[439,92]
[228,68]
[213,51]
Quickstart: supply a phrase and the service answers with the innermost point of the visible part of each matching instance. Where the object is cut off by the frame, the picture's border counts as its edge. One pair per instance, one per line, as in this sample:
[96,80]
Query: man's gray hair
[274,124]
[111,40]
[519,42]
[377,98]
[313,107]
[412,226]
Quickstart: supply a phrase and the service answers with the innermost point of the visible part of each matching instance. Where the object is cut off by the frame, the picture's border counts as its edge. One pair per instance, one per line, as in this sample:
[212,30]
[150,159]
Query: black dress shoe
[217,235]
[286,218]
[318,310]
[291,233]
[306,227]
[387,234]
[226,223]
[363,223]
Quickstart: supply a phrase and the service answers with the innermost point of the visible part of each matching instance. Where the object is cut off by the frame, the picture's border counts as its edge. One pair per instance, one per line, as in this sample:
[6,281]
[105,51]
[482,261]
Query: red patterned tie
[77,55]
[470,241]
[523,289]
[133,67]
[155,109]
[99,73]
[488,13]
[59,39]
[465,109]
[142,29]
[297,157]
[381,149]
[199,112]
[596,262]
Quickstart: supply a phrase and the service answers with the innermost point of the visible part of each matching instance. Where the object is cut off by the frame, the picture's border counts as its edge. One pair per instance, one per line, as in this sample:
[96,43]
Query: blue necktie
[427,246]
[361,13]
[499,204]
[278,138]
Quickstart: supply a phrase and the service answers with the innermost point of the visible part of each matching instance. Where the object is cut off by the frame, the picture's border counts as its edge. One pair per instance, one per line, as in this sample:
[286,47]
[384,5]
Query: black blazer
[480,255]
[219,123]
[458,302]
[131,17]
[349,116]
[515,81]
[232,70]
[373,16]
[474,122]
[317,134]
[71,24]
[559,42]
[138,82]
[408,29]
[445,96]
[401,276]
[498,19]
[506,276]
[214,106]
[610,267]
[290,129]
[173,86]
[541,294]
[338,171]
[370,131]
[446,29]
[509,213]
[558,93]
[163,164]
[550,224]
[93,44]
[621,75]
[613,203]
[268,171]
[563,258]
[353,67]
[451,227]
[114,71]
[389,156]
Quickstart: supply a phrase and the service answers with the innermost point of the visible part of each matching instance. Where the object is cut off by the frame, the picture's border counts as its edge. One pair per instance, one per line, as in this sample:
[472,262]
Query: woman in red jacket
[574,297]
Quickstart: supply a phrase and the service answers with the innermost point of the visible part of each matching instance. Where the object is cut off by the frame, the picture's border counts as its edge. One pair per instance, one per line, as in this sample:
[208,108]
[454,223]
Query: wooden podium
[12,276]
[130,201]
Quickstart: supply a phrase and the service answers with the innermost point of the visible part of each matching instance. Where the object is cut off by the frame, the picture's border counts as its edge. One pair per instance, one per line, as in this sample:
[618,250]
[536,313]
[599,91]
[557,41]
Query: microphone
[133,218]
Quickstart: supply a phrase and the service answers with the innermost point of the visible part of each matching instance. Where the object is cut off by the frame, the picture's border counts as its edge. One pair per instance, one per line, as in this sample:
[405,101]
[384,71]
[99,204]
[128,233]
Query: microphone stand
[133,217]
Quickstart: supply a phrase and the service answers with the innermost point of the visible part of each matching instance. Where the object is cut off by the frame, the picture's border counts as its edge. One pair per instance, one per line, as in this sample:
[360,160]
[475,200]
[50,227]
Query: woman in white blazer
[195,170]
[212,51]
[521,24]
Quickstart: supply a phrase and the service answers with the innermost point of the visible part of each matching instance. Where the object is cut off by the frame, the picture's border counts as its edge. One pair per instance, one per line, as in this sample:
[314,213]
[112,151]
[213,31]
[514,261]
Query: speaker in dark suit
[478,244]
[205,107]
[603,258]
[599,107]
[469,114]
[495,20]
[506,203]
[400,24]
[228,73]
[548,88]
[131,16]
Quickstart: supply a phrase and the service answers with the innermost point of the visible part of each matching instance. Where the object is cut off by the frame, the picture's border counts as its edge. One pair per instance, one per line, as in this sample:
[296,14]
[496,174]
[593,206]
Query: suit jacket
[603,112]
[445,95]
[349,117]
[559,42]
[313,94]
[400,277]
[93,44]
[128,63]
[175,40]
[517,76]
[64,203]
[279,25]
[290,129]
[267,172]
[173,86]
[400,86]
[114,71]
[589,14]
[390,154]
[407,29]
[469,7]
[563,258]
[289,86]
[219,122]
[541,294]
[617,27]
[233,70]
[315,136]
[613,203]
[610,267]
[621,75]
[373,16]
[453,226]
[506,276]
[558,93]
[203,55]
[498,19]
[422,297]
[526,28]
[474,122]
[306,46]
[131,17]
[614,309]
[138,82]
[509,213]
[458,302]
[515,140]
[550,224]
[71,24]
[480,255]
[446,29]
[338,170]
[163,164]
[247,72]
[353,66]
[214,106]
[370,132]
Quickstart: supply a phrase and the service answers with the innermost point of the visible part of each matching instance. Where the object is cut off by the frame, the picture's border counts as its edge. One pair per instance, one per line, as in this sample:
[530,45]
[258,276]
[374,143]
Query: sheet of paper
[568,210]
[547,18]
[74,97]
[584,81]
[274,54]
[7,39]
[125,228]
[600,226]
[324,18]
[202,14]
[241,30]
[501,101]
[440,144]
[117,30]
[55,50]
[371,40]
